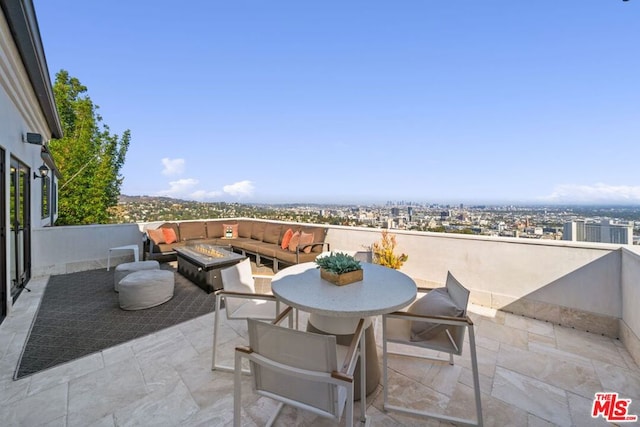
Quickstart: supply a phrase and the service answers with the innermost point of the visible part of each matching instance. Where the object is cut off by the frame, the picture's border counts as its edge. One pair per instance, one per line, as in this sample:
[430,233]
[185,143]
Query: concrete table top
[382,290]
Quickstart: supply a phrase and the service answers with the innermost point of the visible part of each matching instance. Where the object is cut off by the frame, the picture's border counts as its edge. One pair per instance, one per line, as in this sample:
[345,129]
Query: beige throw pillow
[306,239]
[436,303]
[293,243]
[156,235]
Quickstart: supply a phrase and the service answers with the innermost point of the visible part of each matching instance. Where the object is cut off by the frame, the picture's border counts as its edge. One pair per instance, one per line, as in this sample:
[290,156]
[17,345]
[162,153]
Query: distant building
[603,232]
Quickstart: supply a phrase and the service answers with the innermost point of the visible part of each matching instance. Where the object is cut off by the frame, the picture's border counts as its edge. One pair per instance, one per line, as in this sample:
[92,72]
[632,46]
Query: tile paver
[532,373]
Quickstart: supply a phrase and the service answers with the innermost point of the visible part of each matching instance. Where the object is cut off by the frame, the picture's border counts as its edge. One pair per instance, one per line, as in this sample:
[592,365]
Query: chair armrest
[262,276]
[312,244]
[244,349]
[247,295]
[349,361]
[444,320]
[286,312]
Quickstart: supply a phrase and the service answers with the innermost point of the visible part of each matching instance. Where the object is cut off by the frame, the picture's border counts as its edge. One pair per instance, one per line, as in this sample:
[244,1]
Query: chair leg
[363,376]
[476,376]
[385,382]
[451,359]
[215,333]
[237,392]
[348,422]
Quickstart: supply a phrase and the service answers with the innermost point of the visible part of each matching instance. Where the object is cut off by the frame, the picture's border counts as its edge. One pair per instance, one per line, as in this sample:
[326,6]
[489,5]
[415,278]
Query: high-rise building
[603,232]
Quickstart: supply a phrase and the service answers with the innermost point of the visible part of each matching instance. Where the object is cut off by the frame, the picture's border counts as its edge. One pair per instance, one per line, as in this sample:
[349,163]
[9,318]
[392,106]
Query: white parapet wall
[567,283]
[67,249]
[630,321]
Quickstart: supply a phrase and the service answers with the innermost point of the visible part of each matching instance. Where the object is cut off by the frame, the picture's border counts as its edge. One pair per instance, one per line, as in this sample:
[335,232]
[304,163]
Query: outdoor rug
[79,314]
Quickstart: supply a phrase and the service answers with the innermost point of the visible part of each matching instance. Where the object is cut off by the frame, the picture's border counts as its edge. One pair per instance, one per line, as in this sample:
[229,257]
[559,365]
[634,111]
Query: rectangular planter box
[341,279]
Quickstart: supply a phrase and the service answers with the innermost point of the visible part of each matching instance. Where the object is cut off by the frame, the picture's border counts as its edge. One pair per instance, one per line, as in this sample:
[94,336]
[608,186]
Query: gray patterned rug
[79,314]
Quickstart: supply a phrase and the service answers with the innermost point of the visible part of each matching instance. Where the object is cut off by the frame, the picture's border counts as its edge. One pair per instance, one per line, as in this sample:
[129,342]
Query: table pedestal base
[372,368]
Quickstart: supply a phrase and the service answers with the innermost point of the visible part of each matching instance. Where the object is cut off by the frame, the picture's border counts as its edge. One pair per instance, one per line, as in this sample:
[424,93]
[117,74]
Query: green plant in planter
[338,263]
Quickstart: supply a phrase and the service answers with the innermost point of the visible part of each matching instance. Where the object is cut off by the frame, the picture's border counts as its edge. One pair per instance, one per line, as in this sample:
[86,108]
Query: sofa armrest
[300,248]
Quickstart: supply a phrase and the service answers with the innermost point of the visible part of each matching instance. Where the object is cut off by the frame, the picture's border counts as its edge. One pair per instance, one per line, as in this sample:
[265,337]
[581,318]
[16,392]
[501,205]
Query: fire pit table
[201,263]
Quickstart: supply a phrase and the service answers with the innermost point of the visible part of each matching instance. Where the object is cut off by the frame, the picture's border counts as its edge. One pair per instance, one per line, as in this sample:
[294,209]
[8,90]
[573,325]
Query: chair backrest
[458,293]
[237,278]
[460,297]
[364,256]
[296,349]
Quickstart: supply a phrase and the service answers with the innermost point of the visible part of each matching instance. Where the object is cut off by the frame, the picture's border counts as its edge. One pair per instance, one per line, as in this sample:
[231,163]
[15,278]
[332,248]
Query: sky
[363,101]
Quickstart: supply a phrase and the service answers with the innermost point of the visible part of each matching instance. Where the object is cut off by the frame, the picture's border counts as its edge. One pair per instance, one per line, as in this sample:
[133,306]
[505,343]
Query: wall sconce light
[33,138]
[44,171]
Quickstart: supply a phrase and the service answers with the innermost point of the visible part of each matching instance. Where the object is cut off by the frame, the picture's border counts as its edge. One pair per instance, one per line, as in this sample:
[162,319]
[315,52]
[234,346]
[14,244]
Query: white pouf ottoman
[123,270]
[145,289]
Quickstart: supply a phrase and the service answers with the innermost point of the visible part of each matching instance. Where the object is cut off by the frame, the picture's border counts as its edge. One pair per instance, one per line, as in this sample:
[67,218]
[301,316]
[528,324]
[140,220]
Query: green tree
[89,157]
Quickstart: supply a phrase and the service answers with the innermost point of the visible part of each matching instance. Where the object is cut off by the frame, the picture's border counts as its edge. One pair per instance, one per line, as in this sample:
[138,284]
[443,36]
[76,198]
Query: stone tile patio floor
[532,373]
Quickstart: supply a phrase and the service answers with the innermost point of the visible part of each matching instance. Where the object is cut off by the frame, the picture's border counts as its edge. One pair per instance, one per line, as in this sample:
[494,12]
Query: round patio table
[336,310]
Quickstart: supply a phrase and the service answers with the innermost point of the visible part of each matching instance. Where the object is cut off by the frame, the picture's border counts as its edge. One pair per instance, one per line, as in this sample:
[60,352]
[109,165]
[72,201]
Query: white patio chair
[241,302]
[301,369]
[436,325]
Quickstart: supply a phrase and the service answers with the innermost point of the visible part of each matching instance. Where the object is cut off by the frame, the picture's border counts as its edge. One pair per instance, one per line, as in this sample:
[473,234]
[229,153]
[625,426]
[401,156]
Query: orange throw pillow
[286,239]
[169,235]
[306,239]
[293,243]
[156,235]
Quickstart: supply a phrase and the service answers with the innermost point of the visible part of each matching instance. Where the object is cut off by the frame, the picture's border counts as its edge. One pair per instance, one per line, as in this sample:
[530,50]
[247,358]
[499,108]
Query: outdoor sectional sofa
[261,239]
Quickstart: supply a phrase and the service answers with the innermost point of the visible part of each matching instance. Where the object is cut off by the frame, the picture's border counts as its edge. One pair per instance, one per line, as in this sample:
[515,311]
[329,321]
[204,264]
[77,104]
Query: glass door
[20,257]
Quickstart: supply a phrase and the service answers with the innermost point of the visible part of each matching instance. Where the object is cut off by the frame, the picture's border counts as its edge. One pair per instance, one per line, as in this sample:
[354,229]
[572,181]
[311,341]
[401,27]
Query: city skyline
[362,102]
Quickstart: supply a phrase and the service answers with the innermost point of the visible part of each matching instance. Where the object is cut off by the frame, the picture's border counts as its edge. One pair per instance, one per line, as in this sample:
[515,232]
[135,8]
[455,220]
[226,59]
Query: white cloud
[172,166]
[187,188]
[240,189]
[203,195]
[179,188]
[596,193]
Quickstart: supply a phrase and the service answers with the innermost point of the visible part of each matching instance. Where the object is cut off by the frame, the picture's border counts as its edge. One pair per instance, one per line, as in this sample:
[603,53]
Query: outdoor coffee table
[201,263]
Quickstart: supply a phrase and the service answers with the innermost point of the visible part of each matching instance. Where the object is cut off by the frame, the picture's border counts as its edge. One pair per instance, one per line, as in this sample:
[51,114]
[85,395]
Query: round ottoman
[123,270]
[145,289]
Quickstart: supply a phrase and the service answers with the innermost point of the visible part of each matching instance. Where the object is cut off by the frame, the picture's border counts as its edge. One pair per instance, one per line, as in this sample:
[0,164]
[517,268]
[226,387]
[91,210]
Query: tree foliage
[89,157]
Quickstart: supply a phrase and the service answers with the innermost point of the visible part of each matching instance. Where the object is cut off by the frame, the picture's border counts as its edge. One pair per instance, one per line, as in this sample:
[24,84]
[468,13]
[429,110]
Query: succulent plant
[338,263]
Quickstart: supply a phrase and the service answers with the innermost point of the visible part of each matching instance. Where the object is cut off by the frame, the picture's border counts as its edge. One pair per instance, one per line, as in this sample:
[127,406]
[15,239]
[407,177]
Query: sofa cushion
[263,249]
[162,248]
[156,235]
[244,229]
[305,239]
[288,257]
[435,303]
[257,230]
[192,230]
[230,230]
[293,243]
[215,230]
[272,233]
[286,239]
